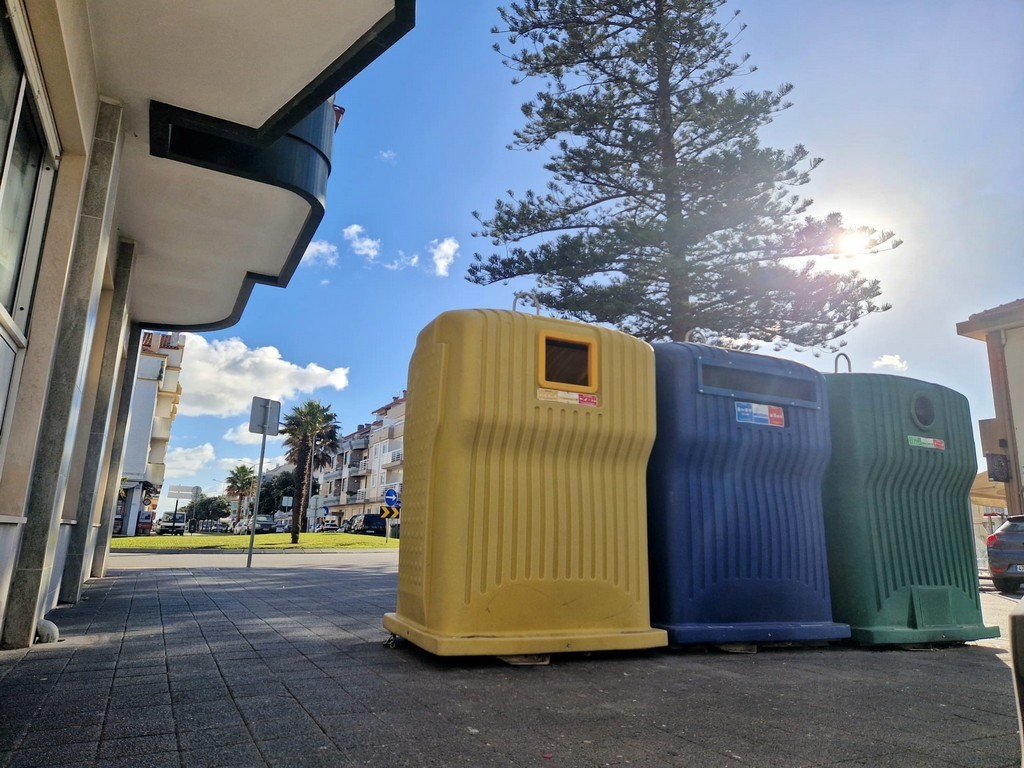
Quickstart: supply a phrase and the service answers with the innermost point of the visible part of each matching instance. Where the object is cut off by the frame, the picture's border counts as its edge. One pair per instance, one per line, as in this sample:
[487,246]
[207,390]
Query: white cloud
[443,253]
[241,435]
[387,156]
[402,262]
[220,378]
[320,252]
[890,361]
[361,244]
[269,462]
[325,282]
[185,462]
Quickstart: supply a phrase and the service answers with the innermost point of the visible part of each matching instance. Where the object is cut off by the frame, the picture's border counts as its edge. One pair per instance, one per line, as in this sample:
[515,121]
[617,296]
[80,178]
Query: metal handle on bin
[526,295]
[849,365]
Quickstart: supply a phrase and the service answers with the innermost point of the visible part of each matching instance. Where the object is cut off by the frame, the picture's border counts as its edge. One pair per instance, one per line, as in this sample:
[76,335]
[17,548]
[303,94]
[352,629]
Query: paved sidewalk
[200,662]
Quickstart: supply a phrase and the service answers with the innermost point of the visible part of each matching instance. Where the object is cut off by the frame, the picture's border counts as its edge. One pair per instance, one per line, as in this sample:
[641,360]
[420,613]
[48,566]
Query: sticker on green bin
[926,442]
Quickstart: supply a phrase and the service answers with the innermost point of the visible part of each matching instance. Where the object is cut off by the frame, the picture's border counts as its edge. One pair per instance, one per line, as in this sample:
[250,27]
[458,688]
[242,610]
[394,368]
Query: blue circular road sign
[391,497]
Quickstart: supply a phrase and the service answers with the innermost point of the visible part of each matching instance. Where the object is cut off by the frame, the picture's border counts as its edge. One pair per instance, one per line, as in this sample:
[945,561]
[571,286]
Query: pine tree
[665,215]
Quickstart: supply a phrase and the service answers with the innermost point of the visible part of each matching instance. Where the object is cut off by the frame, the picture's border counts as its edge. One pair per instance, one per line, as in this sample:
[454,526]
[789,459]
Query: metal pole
[259,486]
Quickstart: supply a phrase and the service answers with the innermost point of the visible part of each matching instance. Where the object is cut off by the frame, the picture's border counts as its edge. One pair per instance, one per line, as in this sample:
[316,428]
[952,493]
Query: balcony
[355,444]
[382,433]
[362,469]
[334,474]
[393,459]
[396,487]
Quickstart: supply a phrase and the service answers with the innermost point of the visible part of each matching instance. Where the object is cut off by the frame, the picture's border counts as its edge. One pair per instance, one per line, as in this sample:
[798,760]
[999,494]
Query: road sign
[264,416]
[390,512]
[197,493]
[315,502]
[180,492]
[391,497]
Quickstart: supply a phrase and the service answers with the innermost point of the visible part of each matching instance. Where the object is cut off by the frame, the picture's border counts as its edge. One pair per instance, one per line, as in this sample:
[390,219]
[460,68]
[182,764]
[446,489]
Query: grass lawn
[264,541]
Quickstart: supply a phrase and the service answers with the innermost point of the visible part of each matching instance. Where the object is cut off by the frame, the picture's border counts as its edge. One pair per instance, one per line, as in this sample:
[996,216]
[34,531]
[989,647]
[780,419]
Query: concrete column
[64,391]
[96,459]
[116,456]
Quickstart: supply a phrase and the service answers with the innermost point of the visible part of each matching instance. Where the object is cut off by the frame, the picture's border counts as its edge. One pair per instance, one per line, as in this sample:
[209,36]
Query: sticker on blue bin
[926,442]
[765,415]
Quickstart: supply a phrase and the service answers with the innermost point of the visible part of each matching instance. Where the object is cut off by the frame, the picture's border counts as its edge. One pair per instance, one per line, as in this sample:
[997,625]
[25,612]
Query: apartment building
[154,407]
[368,464]
[158,161]
[343,484]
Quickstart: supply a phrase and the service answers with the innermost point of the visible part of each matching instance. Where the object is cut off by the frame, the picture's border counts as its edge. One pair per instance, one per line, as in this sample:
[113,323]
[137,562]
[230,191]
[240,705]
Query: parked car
[169,522]
[242,526]
[327,528]
[371,524]
[346,526]
[265,524]
[1006,555]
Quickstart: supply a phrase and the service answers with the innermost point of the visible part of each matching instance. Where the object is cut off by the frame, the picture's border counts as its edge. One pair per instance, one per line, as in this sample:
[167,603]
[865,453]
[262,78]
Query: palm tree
[241,483]
[311,437]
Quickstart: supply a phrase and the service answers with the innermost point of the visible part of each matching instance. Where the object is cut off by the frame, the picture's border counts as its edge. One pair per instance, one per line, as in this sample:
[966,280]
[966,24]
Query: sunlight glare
[853,242]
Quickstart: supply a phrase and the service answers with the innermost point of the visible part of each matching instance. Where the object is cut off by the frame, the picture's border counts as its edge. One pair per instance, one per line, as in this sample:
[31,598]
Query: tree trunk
[678,272]
[299,502]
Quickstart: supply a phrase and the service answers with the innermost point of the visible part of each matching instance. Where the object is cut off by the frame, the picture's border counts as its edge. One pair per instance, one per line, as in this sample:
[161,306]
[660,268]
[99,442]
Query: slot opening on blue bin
[737,381]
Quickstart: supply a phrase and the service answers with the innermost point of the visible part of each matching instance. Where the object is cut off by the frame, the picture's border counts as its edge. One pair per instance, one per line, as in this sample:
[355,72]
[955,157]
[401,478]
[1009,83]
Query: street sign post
[264,419]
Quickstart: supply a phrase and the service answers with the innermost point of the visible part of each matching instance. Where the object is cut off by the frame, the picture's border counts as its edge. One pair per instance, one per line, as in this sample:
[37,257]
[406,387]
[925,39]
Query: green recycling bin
[898,534]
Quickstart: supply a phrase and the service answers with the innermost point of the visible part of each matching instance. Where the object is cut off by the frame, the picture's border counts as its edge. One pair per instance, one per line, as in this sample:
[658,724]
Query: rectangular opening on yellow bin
[568,364]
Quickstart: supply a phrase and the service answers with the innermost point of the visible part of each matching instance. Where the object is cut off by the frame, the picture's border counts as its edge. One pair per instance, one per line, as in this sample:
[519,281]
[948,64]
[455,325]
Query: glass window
[26,181]
[10,82]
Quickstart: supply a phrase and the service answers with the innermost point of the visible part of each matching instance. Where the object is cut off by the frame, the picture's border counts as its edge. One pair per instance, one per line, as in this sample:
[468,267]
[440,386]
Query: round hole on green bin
[923,410]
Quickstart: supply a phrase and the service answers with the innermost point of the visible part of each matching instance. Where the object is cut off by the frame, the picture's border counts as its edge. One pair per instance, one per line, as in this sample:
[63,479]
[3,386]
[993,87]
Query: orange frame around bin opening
[543,338]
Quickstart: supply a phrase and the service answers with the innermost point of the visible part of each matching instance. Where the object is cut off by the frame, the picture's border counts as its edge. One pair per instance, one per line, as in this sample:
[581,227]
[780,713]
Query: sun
[853,242]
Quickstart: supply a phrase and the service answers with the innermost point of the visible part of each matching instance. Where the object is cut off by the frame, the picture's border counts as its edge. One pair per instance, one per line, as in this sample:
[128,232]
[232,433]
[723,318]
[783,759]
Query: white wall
[140,428]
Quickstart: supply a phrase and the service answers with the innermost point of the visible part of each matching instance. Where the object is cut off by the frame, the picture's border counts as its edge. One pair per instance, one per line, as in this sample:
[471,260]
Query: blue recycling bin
[734,488]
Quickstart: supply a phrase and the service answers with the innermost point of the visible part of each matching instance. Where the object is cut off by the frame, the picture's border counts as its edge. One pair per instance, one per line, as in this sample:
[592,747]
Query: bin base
[911,636]
[522,644]
[755,632]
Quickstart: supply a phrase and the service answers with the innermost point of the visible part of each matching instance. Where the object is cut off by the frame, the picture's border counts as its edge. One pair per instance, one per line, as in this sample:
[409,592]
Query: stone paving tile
[286,667]
[57,754]
[157,760]
[224,755]
[132,746]
[65,734]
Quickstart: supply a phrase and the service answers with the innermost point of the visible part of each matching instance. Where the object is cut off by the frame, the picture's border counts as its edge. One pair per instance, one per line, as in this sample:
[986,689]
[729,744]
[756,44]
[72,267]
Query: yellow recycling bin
[524,514]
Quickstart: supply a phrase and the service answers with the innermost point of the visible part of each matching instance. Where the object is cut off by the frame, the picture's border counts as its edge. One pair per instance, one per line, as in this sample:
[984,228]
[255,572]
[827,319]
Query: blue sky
[917,108]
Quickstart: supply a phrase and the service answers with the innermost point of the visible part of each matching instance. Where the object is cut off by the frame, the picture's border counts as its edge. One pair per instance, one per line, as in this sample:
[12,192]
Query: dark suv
[265,524]
[1006,555]
[368,524]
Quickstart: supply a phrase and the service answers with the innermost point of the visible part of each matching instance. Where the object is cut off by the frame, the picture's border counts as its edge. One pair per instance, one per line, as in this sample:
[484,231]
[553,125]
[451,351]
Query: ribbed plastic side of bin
[734,499]
[524,525]
[897,511]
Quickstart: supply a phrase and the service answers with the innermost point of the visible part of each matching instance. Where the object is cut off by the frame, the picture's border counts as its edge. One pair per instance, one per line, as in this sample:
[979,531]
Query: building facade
[159,160]
[1002,438]
[368,464]
[154,407]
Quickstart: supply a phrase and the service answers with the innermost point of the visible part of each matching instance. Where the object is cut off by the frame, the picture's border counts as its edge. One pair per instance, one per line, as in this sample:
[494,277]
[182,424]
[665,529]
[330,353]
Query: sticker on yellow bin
[570,398]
